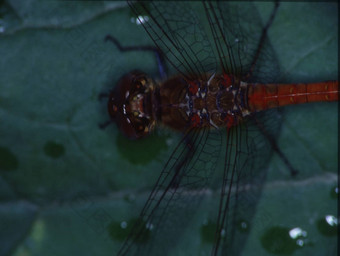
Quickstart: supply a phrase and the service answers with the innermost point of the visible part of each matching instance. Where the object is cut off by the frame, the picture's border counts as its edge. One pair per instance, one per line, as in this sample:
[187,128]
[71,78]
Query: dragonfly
[223,99]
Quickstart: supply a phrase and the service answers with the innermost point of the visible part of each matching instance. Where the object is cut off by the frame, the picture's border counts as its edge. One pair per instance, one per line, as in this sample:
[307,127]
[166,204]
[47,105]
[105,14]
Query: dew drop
[123,224]
[300,242]
[149,226]
[140,20]
[118,231]
[223,232]
[297,232]
[243,226]
[328,226]
[331,220]
[282,240]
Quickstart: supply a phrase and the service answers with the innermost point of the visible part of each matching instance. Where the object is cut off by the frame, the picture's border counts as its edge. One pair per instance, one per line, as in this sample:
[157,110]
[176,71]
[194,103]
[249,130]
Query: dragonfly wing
[176,196]
[178,32]
[247,153]
[237,30]
[200,39]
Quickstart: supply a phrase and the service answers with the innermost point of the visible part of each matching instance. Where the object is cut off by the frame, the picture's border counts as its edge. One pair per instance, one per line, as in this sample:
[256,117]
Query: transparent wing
[249,56]
[198,38]
[246,154]
[176,29]
[176,195]
[241,42]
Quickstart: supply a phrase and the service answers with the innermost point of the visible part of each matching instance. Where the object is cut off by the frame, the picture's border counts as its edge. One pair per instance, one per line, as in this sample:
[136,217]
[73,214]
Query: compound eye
[140,83]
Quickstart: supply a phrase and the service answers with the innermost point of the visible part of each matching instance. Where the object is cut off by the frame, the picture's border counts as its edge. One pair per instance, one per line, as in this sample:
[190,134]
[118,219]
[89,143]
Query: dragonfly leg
[158,53]
[105,124]
[262,39]
[276,148]
[103,95]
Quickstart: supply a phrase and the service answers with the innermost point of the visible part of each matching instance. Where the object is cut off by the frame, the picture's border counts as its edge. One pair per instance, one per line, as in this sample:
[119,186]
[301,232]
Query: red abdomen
[265,96]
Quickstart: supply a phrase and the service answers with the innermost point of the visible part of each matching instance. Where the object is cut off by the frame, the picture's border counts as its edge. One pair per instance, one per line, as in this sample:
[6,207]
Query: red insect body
[266,96]
[227,81]
[197,99]
[193,88]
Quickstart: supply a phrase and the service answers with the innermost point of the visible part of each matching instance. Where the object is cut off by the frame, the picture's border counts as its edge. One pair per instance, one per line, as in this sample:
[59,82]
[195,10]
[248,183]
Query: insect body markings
[137,104]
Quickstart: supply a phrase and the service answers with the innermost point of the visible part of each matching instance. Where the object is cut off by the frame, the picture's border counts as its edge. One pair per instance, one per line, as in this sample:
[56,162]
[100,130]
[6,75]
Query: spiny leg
[103,95]
[158,53]
[105,124]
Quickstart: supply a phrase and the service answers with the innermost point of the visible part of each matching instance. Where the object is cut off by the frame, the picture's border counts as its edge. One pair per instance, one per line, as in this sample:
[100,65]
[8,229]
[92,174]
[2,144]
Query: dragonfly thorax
[138,103]
[198,103]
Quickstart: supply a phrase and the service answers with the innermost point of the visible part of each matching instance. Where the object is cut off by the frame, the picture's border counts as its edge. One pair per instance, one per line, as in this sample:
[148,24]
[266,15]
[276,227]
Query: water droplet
[281,240]
[140,20]
[297,232]
[120,230]
[243,226]
[222,232]
[328,225]
[123,224]
[149,226]
[331,220]
[300,242]
[117,231]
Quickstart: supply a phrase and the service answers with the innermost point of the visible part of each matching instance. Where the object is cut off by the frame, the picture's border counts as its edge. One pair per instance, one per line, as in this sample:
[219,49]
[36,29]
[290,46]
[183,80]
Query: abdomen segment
[266,96]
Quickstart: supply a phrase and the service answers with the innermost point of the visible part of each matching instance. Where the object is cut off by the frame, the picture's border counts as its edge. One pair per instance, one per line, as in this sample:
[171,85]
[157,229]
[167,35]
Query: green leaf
[66,184]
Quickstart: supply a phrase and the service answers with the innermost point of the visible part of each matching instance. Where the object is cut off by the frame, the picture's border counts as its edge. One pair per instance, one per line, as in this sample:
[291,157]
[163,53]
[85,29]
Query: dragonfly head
[130,105]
